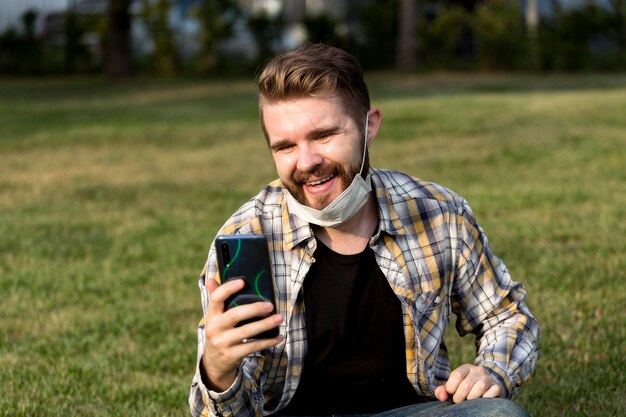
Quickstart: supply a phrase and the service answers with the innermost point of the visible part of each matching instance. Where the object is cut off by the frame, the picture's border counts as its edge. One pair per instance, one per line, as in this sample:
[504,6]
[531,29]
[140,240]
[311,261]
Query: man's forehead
[330,98]
[308,108]
[302,114]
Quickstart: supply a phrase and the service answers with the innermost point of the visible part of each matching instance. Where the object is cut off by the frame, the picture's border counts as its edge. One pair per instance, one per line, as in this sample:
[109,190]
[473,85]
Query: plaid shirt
[437,260]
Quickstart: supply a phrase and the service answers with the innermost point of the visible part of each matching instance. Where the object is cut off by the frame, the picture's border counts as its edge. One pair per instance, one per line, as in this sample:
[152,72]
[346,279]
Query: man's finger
[211,285]
[493,392]
[245,349]
[220,293]
[479,388]
[255,328]
[235,315]
[463,390]
[441,393]
[456,377]
[226,323]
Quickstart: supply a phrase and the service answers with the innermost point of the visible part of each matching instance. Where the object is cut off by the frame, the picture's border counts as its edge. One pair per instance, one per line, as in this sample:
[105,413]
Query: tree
[266,30]
[154,14]
[217,18]
[501,41]
[379,43]
[531,17]
[406,58]
[616,18]
[117,62]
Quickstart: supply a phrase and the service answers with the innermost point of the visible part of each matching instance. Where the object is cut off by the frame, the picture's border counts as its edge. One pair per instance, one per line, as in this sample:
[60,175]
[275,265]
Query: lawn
[111,194]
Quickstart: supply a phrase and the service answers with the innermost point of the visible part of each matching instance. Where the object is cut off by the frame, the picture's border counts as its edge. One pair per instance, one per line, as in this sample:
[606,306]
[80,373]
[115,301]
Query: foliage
[155,15]
[491,37]
[377,45]
[584,38]
[24,52]
[77,57]
[616,21]
[267,32]
[486,35]
[323,28]
[576,38]
[501,42]
[443,42]
[217,18]
[21,53]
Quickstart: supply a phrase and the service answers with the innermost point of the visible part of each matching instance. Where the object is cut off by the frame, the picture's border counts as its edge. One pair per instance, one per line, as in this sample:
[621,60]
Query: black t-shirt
[356,360]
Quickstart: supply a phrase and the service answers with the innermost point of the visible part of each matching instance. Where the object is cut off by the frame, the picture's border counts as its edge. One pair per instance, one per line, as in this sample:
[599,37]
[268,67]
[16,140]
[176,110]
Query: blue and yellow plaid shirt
[437,260]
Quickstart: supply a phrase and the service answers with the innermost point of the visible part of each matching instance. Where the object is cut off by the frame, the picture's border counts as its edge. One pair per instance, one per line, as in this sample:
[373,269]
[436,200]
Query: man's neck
[353,235]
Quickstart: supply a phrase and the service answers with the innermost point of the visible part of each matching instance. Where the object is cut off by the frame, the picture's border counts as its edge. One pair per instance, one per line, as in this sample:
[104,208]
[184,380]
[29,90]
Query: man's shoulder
[400,187]
[266,204]
[270,197]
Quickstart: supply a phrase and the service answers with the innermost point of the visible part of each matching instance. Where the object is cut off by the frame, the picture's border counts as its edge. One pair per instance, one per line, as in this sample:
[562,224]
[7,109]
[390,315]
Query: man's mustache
[321,171]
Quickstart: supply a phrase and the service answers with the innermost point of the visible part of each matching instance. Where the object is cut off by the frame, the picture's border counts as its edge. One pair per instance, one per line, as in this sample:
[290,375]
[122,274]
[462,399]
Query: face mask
[346,205]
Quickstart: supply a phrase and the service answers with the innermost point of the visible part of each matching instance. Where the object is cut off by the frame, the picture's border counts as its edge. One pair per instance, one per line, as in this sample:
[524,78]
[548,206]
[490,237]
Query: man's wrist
[218,384]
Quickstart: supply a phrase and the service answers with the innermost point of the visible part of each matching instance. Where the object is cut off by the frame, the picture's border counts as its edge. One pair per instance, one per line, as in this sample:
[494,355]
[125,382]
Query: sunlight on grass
[111,195]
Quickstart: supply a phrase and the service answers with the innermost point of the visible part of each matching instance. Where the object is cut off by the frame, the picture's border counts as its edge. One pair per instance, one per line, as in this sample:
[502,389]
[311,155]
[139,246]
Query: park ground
[111,194]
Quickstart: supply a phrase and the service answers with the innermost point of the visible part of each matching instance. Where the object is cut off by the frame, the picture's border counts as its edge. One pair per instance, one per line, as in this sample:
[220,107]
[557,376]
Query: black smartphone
[247,257]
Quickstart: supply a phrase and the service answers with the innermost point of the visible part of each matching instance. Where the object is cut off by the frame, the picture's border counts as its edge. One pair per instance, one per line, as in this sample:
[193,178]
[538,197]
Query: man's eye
[283,148]
[323,136]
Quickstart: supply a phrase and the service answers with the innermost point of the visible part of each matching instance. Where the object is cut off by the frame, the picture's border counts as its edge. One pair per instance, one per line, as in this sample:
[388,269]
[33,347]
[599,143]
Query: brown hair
[314,70]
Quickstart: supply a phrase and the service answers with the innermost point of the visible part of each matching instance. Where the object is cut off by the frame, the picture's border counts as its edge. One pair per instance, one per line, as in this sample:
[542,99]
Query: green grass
[110,196]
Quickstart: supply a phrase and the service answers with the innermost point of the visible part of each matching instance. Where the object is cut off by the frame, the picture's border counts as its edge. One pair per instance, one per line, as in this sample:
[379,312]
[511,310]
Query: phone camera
[225,253]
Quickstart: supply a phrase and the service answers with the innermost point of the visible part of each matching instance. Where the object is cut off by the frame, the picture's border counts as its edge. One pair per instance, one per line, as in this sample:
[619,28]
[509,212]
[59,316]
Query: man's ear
[373,124]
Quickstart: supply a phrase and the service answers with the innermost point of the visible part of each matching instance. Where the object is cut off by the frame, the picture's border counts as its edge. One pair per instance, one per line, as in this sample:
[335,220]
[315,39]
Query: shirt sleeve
[244,396]
[491,305]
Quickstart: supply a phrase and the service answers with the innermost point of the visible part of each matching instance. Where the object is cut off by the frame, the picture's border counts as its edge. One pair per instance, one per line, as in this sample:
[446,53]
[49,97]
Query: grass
[111,195]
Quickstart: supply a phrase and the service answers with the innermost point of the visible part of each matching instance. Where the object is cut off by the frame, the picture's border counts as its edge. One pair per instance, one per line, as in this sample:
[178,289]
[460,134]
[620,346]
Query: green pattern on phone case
[256,285]
[232,261]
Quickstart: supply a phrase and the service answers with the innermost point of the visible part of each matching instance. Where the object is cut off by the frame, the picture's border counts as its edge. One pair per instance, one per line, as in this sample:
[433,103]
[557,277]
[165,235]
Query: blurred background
[169,37]
[129,132]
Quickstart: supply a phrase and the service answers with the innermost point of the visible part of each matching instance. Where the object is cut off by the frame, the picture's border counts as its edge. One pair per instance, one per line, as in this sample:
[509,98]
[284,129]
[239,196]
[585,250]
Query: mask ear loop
[367,118]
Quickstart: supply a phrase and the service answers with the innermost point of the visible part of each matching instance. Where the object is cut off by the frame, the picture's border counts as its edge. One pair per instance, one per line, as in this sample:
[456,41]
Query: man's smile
[320,181]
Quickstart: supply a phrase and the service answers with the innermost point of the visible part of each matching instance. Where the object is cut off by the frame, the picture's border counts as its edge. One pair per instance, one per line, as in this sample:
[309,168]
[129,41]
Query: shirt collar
[389,220]
[295,230]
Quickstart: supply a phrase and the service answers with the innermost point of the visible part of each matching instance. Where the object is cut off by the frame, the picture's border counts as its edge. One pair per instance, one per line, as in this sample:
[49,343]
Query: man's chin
[301,197]
[317,204]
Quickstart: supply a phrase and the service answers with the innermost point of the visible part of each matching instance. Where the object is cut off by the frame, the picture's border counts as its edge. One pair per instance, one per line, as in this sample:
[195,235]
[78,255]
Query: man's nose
[308,158]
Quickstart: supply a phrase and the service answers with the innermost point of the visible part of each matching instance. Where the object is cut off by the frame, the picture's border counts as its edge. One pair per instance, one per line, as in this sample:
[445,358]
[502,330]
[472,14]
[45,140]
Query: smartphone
[247,257]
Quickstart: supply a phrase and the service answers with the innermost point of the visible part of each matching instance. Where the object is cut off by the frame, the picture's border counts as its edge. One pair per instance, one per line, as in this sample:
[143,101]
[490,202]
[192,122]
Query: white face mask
[342,208]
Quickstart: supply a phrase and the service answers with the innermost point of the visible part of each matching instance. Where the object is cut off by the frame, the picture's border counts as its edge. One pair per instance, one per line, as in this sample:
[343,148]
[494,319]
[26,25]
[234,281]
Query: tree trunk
[117,64]
[406,58]
[532,17]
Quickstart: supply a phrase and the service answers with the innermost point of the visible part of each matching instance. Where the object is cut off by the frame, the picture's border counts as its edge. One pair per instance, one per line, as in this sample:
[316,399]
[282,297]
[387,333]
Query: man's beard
[297,181]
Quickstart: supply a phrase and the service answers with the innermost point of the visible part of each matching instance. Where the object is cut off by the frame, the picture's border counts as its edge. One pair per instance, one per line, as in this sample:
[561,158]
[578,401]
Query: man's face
[316,147]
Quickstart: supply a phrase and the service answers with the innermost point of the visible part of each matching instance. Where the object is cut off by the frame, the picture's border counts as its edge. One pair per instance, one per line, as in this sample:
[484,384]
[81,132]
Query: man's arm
[227,379]
[489,304]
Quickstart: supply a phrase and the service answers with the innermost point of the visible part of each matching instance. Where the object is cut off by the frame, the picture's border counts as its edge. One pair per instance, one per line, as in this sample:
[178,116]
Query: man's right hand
[227,345]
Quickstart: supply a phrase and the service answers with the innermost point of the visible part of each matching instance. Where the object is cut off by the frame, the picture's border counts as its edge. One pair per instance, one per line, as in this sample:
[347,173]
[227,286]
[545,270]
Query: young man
[368,265]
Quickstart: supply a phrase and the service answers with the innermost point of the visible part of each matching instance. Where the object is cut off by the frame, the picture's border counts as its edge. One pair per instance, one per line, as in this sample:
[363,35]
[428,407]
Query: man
[368,264]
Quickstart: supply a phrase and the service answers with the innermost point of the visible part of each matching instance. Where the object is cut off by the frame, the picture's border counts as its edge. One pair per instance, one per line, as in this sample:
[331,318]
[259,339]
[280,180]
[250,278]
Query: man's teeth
[322,181]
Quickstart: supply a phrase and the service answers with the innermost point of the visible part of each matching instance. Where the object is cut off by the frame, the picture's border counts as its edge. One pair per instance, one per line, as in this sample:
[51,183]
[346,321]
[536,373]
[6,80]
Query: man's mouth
[320,181]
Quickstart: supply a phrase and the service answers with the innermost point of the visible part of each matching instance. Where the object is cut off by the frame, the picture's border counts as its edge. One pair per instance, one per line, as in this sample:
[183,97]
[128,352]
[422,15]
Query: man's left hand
[468,382]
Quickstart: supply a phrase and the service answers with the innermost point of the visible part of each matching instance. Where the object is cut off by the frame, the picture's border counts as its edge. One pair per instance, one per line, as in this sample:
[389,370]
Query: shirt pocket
[429,311]
[426,301]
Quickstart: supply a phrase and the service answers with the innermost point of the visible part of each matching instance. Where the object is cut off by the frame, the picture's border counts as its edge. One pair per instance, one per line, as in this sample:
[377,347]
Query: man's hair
[315,70]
